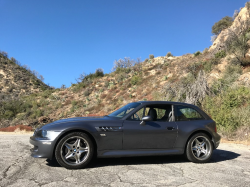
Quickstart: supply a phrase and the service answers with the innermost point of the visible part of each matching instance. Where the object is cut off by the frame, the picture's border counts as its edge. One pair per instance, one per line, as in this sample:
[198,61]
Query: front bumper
[42,148]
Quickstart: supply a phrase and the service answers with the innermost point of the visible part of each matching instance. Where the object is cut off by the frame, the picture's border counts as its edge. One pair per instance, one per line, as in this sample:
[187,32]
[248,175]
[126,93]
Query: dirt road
[230,166]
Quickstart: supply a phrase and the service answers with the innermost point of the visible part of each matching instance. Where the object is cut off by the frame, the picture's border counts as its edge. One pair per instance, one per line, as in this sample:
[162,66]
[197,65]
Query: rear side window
[183,113]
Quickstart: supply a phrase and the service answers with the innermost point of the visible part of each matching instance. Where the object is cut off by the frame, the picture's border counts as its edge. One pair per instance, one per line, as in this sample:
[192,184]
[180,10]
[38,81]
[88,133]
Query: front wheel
[74,151]
[199,148]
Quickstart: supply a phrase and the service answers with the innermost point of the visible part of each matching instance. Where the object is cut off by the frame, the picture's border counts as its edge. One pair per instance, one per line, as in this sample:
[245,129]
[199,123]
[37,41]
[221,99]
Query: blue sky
[63,38]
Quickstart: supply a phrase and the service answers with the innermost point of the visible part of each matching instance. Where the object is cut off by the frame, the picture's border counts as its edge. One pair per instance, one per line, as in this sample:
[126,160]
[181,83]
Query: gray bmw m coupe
[141,128]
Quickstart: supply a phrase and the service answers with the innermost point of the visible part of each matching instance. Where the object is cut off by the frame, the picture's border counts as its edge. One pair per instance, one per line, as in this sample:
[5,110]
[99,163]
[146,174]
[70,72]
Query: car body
[138,129]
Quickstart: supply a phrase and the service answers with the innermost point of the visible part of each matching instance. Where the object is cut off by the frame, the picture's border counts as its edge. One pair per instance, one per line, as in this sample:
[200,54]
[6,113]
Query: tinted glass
[163,113]
[137,116]
[124,110]
[183,113]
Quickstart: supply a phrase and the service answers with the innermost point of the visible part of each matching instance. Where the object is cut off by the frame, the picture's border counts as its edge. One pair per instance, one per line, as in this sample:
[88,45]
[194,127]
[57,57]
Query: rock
[134,94]
[219,43]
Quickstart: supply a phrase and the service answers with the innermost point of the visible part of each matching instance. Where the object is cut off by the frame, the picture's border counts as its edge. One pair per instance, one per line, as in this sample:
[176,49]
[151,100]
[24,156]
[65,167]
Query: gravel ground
[229,166]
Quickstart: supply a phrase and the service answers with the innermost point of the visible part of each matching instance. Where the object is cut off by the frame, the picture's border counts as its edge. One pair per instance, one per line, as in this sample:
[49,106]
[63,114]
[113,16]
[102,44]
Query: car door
[158,134]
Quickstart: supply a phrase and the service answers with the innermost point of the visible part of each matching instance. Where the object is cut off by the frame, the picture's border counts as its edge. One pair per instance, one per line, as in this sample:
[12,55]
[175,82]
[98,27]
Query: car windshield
[124,110]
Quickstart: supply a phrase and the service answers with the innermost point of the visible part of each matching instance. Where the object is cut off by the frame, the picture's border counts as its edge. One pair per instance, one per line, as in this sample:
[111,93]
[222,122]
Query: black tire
[78,157]
[198,152]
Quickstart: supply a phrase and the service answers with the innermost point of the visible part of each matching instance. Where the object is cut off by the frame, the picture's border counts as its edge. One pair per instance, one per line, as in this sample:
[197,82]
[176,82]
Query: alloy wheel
[201,148]
[75,150]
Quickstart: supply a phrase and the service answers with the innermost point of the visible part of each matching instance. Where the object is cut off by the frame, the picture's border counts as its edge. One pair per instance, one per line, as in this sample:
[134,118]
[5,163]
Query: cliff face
[241,22]
[16,80]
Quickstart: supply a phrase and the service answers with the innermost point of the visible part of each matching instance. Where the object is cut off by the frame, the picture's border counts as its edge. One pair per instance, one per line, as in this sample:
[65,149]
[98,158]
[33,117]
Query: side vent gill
[108,128]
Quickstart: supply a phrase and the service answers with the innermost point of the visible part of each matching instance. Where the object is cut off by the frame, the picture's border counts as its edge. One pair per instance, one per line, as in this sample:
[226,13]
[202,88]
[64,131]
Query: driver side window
[161,113]
[137,116]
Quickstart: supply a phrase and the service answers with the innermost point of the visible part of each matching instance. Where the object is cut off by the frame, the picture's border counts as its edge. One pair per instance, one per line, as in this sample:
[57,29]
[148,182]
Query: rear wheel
[74,151]
[199,148]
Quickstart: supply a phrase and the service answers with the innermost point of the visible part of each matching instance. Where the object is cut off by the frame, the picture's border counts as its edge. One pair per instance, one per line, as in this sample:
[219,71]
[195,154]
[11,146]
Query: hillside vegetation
[217,80]
[16,80]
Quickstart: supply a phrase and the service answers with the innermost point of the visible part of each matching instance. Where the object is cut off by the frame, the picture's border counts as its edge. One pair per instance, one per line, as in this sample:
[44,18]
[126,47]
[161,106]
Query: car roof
[164,102]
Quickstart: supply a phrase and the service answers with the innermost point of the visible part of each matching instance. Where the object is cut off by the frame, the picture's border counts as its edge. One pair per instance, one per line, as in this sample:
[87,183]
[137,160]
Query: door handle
[170,128]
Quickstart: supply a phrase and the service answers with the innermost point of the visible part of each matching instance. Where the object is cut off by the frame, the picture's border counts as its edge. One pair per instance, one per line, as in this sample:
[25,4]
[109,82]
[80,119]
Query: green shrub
[226,108]
[151,56]
[74,103]
[205,51]
[197,53]
[87,78]
[248,5]
[78,87]
[222,24]
[146,60]
[99,72]
[121,77]
[36,114]
[195,68]
[169,54]
[245,61]
[135,80]
[220,54]
[230,70]
[230,75]
[46,93]
[106,84]
[122,70]
[87,92]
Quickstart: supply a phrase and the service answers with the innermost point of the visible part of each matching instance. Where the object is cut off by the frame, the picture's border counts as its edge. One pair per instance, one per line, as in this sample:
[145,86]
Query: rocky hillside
[217,80]
[17,80]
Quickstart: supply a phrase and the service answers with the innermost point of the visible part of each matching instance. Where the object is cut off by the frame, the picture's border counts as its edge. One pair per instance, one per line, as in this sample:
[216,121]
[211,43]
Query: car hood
[72,121]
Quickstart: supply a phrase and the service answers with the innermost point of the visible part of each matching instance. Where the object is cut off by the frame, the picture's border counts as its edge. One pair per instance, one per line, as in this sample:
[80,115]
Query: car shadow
[218,156]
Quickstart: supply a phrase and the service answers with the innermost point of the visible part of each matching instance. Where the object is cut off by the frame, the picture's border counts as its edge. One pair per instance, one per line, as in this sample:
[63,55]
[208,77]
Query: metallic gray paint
[129,138]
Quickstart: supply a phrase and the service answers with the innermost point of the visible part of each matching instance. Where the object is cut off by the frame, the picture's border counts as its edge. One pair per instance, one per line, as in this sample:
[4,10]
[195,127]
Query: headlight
[41,134]
[46,134]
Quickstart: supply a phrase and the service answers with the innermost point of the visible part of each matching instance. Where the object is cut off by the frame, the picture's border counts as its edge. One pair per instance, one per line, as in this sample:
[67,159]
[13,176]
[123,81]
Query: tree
[222,24]
[63,87]
[189,89]
[99,72]
[4,54]
[123,63]
[151,56]
[41,78]
[169,54]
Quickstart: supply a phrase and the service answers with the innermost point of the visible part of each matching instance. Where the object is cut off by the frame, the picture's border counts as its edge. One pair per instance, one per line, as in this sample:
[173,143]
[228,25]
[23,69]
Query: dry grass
[16,128]
[67,102]
[103,96]
[109,97]
[92,115]
[63,93]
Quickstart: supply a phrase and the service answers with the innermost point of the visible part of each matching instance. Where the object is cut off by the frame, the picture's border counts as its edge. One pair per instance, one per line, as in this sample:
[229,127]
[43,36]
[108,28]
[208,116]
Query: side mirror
[146,118]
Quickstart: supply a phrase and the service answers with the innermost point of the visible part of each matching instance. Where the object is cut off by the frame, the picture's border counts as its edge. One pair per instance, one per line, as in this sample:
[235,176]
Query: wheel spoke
[204,151]
[69,146]
[197,141]
[77,157]
[203,144]
[194,148]
[77,143]
[69,155]
[83,150]
[198,153]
